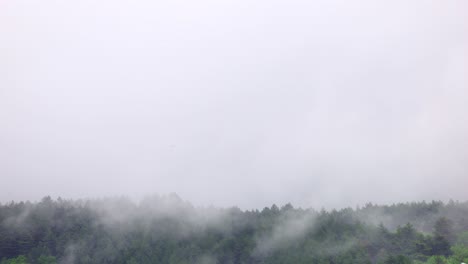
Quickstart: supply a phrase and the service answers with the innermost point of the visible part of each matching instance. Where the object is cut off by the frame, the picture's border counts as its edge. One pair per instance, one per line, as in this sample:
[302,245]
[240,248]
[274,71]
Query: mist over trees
[324,103]
[166,229]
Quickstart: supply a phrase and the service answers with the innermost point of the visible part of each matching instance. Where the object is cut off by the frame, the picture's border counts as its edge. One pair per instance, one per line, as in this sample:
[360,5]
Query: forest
[167,229]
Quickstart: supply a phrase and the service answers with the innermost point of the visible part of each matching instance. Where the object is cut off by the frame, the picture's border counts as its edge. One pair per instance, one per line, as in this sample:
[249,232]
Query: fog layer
[248,103]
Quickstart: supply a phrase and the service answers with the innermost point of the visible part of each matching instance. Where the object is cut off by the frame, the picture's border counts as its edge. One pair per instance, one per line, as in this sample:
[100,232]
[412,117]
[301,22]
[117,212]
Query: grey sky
[248,103]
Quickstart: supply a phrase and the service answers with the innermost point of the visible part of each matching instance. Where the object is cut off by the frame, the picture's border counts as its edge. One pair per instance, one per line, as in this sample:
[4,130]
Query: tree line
[166,229]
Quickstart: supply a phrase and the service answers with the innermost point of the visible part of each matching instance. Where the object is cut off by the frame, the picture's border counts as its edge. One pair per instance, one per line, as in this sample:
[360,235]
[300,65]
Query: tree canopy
[166,229]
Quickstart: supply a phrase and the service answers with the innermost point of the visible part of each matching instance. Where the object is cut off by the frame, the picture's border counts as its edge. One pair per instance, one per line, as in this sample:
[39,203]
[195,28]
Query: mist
[235,103]
[167,229]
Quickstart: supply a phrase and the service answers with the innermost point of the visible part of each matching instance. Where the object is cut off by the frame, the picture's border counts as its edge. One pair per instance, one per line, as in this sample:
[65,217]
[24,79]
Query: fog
[245,103]
[289,228]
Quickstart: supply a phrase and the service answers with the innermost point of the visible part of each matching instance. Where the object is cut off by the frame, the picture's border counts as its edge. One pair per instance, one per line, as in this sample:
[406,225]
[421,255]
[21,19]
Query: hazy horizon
[235,103]
[143,200]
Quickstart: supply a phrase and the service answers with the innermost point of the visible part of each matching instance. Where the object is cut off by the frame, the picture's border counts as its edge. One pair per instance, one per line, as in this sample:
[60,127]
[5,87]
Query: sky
[235,103]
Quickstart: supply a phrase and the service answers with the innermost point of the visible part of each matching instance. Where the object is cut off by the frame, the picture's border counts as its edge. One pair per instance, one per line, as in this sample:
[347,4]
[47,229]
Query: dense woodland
[166,229]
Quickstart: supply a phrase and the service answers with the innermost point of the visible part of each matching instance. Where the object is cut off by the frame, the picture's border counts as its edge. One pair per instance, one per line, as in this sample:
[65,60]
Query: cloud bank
[318,103]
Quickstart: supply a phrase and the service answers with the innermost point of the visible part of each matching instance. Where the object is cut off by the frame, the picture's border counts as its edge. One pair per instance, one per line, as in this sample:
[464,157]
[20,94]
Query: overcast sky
[320,103]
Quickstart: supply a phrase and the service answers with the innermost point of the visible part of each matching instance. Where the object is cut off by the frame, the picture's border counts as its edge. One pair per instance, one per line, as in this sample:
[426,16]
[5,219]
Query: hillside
[166,229]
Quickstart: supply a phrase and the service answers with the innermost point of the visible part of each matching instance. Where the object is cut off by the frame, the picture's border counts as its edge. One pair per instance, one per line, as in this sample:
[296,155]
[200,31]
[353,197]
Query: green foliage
[462,238]
[18,260]
[460,253]
[441,260]
[400,259]
[443,228]
[46,260]
[169,230]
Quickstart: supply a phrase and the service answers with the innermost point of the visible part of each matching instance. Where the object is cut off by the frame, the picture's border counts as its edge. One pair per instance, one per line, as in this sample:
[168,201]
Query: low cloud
[287,229]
